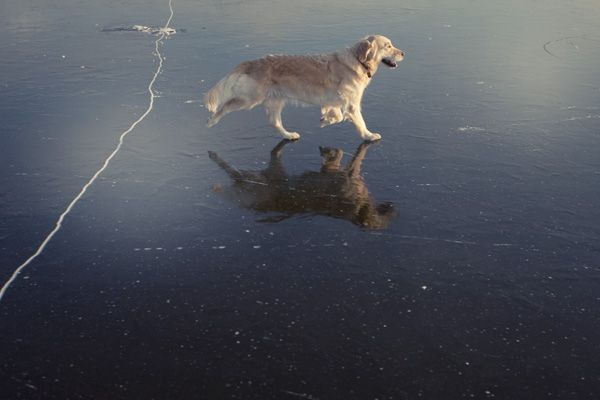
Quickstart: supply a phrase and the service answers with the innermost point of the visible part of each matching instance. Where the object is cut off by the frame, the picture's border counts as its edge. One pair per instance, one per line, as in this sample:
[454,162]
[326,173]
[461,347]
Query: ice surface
[141,291]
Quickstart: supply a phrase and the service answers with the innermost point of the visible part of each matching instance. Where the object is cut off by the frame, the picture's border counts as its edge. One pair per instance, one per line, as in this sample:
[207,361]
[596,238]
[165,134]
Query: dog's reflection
[334,191]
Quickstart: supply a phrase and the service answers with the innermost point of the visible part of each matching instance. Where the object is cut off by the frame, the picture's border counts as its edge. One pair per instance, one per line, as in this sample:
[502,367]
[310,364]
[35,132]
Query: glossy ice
[167,281]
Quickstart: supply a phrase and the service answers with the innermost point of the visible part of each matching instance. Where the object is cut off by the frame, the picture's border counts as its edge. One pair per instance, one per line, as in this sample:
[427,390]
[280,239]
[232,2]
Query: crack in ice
[548,44]
[165,31]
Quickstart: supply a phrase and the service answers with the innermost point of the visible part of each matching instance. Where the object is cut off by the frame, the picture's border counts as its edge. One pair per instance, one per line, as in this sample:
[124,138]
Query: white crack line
[163,32]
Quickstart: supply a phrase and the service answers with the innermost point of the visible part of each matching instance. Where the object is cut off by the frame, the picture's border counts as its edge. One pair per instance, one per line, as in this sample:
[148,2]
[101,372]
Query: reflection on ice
[335,191]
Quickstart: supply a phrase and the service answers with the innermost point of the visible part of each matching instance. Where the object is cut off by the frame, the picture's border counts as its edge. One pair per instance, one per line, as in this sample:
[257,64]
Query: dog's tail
[231,171]
[222,92]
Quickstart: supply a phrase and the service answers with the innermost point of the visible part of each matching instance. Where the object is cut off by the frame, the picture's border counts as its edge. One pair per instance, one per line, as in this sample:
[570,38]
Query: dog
[333,191]
[335,82]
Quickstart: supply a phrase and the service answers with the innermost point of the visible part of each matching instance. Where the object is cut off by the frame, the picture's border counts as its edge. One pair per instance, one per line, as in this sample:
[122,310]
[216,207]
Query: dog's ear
[363,51]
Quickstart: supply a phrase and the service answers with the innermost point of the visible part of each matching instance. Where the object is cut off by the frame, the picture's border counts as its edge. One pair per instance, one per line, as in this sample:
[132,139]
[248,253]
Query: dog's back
[300,79]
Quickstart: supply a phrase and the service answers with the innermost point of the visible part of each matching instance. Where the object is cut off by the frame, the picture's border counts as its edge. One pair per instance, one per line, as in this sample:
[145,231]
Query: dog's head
[331,158]
[375,216]
[376,49]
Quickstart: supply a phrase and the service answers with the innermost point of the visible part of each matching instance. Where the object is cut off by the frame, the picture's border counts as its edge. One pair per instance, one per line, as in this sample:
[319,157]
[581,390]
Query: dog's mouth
[390,63]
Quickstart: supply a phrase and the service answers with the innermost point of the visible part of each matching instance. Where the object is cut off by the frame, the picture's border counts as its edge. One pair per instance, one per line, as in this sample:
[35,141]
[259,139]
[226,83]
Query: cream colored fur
[335,82]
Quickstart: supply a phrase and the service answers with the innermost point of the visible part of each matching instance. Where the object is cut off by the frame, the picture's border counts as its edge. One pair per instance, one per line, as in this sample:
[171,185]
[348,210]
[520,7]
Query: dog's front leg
[355,164]
[354,114]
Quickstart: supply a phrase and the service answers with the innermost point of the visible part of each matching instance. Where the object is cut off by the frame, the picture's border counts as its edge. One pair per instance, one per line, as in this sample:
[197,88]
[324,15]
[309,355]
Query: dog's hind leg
[274,108]
[275,170]
[234,92]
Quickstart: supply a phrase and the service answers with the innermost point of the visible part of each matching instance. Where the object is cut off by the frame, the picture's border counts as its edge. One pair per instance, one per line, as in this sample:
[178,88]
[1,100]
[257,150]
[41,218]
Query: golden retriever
[335,82]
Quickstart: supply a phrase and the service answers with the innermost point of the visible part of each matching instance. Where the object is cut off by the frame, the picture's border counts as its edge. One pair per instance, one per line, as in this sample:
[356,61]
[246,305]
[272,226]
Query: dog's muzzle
[389,62]
[392,62]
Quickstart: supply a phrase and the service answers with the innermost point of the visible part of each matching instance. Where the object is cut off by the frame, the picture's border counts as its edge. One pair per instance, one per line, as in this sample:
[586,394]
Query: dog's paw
[371,137]
[292,136]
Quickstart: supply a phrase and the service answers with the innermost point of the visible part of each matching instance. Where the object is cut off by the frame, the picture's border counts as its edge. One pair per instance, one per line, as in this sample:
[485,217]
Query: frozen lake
[470,269]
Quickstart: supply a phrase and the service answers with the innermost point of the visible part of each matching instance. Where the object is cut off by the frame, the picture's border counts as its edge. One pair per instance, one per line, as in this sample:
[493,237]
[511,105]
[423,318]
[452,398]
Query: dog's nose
[402,53]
